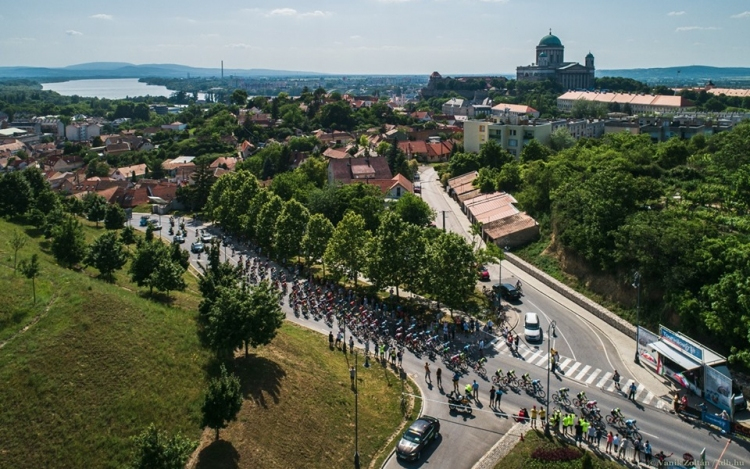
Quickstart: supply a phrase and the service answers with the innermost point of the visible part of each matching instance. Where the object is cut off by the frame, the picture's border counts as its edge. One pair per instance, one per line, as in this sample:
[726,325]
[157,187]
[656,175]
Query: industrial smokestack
[222,69]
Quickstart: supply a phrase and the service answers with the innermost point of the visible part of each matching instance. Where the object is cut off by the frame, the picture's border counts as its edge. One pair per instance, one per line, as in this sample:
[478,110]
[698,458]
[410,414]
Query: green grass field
[101,361]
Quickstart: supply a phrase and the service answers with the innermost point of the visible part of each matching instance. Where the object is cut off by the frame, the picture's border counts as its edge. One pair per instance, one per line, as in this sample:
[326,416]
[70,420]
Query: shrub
[552,454]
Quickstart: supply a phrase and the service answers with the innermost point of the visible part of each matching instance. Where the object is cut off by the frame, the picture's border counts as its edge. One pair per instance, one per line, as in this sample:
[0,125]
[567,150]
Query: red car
[483,273]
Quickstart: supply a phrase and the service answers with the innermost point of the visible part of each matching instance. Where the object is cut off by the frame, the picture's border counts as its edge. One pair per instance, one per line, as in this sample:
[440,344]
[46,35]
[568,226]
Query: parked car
[196,247]
[155,225]
[531,328]
[179,239]
[421,433]
[417,189]
[144,220]
[507,291]
[484,274]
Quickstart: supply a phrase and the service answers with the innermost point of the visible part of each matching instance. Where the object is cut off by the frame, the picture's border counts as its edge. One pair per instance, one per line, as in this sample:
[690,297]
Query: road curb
[500,449]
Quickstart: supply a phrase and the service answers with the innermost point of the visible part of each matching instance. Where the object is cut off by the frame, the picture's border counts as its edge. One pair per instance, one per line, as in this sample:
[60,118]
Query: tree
[127,235]
[347,250]
[16,242]
[264,316]
[31,269]
[450,274]
[16,193]
[229,198]
[155,449]
[414,210]
[491,154]
[239,97]
[397,161]
[534,151]
[95,207]
[179,256]
[222,402]
[290,228]
[315,240]
[396,250]
[168,276]
[68,241]
[337,115]
[145,261]
[266,223]
[462,163]
[114,217]
[560,139]
[107,254]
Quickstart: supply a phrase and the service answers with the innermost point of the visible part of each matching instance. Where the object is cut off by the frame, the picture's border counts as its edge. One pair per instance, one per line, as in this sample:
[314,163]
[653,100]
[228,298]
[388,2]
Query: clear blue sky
[373,36]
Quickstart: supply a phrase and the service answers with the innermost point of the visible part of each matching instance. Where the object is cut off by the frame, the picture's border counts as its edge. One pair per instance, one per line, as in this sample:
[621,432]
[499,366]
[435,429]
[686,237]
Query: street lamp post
[356,414]
[551,327]
[637,284]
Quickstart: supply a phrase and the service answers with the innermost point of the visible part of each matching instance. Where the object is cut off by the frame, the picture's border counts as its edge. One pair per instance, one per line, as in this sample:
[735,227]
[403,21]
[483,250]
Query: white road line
[557,333]
[611,387]
[542,361]
[639,391]
[660,404]
[603,380]
[582,373]
[526,353]
[649,398]
[564,363]
[573,368]
[626,387]
[593,376]
[534,357]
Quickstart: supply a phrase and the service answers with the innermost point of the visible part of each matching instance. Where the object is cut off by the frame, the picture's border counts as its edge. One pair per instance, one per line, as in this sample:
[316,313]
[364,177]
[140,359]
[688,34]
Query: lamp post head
[636,279]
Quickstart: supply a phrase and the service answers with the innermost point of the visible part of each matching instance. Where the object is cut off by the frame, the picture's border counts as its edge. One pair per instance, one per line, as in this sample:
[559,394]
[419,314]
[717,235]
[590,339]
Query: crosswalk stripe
[626,387]
[565,363]
[610,388]
[649,398]
[573,368]
[603,380]
[543,361]
[526,353]
[534,357]
[593,376]
[583,372]
[660,404]
[639,391]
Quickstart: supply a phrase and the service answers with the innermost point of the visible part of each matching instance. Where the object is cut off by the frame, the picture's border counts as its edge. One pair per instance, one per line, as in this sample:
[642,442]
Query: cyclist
[511,375]
[518,285]
[582,397]
[469,390]
[499,374]
[563,392]
[617,414]
[631,424]
[526,379]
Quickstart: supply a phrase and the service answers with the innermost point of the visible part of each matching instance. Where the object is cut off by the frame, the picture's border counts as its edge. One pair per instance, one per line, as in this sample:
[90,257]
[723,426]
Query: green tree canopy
[450,273]
[114,217]
[346,252]
[290,228]
[315,240]
[412,209]
[68,241]
[222,401]
[155,449]
[107,254]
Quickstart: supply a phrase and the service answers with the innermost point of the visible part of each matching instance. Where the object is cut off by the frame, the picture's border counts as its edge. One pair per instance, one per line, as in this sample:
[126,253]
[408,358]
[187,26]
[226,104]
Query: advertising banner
[717,388]
[682,343]
[646,354]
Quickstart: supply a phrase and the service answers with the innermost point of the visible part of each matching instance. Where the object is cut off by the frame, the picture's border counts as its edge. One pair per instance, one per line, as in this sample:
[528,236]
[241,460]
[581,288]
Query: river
[115,88]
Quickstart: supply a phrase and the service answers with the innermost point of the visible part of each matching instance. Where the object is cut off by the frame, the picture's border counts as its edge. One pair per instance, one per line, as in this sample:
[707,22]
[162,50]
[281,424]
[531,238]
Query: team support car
[178,239]
[196,247]
[507,291]
[417,437]
[483,273]
[206,238]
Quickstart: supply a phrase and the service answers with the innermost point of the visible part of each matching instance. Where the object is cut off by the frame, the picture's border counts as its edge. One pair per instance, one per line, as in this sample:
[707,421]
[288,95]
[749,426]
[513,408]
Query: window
[398,192]
[512,142]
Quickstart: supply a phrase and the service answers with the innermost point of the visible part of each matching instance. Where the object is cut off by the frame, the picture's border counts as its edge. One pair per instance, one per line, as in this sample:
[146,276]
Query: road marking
[565,362]
[649,398]
[583,372]
[611,387]
[526,353]
[660,404]
[535,356]
[573,368]
[572,352]
[603,380]
[593,376]
[627,385]
[544,360]
[639,391]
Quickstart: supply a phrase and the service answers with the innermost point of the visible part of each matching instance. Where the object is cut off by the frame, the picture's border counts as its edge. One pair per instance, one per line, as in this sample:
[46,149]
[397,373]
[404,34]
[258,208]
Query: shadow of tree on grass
[260,378]
[219,454]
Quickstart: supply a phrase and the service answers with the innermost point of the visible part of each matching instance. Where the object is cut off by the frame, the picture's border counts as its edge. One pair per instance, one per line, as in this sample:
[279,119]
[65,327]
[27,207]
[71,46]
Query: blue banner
[681,343]
[715,420]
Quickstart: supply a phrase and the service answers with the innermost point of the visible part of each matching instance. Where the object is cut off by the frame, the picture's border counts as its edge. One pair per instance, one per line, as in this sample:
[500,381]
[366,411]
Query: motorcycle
[459,402]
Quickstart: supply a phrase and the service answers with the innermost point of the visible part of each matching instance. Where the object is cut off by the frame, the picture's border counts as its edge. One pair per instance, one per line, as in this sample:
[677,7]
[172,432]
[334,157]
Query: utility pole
[549,367]
[356,414]
[637,284]
[444,212]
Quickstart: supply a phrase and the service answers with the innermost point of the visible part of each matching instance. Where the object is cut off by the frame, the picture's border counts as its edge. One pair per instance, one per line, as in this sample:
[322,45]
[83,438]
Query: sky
[373,36]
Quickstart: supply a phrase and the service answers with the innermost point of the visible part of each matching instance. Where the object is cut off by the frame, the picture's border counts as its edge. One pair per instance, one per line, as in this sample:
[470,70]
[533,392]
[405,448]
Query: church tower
[590,60]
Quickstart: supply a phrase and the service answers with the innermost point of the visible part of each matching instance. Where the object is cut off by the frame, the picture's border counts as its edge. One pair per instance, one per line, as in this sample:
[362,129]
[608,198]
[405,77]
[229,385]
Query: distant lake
[118,88]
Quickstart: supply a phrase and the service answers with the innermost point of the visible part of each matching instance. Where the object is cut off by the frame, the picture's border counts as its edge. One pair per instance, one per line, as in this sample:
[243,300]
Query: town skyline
[376,36]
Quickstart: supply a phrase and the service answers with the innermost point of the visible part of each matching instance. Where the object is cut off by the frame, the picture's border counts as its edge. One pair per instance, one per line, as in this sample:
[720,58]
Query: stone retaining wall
[597,310]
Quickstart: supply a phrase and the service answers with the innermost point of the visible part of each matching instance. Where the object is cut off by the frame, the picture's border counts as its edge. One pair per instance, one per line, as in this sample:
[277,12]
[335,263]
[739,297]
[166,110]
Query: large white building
[550,64]
[82,131]
[626,102]
[511,134]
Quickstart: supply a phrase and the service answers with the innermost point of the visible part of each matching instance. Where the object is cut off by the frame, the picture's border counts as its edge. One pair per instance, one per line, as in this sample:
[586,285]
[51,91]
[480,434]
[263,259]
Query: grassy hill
[98,362]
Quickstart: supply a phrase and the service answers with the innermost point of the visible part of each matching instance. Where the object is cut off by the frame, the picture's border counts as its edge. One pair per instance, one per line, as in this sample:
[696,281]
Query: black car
[507,291]
[416,438]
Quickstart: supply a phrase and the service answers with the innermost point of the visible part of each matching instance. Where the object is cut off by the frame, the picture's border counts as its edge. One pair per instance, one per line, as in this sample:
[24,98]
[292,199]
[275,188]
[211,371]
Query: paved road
[466,438]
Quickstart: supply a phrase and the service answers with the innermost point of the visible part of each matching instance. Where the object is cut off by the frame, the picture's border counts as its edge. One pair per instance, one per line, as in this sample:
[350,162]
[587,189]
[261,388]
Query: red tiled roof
[413,148]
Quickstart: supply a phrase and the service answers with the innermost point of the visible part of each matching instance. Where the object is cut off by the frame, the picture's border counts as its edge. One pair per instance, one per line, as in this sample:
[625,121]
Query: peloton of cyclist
[617,414]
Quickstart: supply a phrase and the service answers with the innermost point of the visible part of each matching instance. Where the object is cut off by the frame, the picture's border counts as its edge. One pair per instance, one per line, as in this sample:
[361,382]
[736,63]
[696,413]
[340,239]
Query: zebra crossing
[585,374]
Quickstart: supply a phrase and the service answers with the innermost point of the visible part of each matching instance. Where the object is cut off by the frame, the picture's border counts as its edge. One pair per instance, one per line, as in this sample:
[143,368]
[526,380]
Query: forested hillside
[675,211]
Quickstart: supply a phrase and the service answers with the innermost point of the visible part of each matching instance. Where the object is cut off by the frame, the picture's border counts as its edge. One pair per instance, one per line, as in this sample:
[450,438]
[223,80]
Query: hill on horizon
[689,74]
[128,70]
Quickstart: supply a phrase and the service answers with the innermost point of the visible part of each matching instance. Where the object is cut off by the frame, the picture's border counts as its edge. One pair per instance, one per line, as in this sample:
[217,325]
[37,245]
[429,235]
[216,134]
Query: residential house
[11,146]
[129,172]
[176,126]
[394,188]
[246,149]
[116,148]
[82,131]
[179,169]
[353,170]
[416,150]
[439,151]
[512,133]
[503,110]
[456,107]
[422,116]
[336,153]
[335,138]
[65,163]
[225,162]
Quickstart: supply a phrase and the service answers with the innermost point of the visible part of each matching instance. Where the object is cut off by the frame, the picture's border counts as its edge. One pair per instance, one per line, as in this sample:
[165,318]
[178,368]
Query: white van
[531,328]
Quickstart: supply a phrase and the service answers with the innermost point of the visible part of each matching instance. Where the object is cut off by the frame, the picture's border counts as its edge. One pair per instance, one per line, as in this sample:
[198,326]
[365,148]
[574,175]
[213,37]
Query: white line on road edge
[572,352]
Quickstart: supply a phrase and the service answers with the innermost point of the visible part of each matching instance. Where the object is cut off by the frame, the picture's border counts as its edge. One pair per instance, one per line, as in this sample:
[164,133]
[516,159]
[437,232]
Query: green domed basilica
[551,65]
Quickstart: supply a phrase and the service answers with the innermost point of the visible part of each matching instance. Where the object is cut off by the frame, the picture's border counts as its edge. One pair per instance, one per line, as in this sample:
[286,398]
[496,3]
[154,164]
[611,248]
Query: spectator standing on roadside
[427,376]
[456,377]
[579,432]
[632,390]
[542,415]
[475,389]
[492,397]
[610,440]
[438,375]
[534,414]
